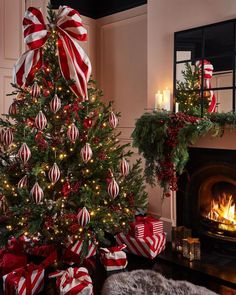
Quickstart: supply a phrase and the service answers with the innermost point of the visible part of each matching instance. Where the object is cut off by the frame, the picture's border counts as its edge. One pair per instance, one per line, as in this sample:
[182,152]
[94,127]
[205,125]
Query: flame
[223,211]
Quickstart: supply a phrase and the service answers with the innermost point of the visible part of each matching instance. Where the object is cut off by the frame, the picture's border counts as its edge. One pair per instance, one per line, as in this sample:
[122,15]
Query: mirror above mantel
[210,50]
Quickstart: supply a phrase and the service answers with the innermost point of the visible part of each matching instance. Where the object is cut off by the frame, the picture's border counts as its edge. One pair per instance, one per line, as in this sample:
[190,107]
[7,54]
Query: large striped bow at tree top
[74,63]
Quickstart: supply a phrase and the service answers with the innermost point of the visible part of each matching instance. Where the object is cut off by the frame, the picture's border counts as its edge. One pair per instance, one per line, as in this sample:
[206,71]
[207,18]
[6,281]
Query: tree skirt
[147,282]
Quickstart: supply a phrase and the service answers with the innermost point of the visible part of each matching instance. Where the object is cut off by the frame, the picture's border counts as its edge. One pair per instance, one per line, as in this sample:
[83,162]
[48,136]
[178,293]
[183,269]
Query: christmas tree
[64,176]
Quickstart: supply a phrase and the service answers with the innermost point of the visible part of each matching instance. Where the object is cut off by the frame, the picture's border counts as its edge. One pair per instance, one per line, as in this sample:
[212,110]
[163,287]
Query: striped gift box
[114,258]
[148,247]
[77,248]
[157,226]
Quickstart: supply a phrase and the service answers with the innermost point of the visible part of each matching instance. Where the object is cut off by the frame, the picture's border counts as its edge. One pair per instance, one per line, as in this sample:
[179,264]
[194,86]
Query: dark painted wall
[98,8]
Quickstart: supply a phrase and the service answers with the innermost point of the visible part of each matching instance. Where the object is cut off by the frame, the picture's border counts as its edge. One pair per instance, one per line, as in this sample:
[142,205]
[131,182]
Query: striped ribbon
[74,63]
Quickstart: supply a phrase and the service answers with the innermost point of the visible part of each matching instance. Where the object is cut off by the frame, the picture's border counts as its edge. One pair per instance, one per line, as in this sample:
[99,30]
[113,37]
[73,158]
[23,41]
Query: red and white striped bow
[74,63]
[208,72]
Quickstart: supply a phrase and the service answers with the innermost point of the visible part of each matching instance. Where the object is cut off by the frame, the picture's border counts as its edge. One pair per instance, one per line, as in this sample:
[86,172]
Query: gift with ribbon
[69,30]
[76,250]
[73,281]
[114,258]
[145,227]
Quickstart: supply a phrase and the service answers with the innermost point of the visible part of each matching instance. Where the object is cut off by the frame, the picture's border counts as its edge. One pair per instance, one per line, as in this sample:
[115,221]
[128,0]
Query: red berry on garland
[37,193]
[73,133]
[54,173]
[83,217]
[113,121]
[124,167]
[86,153]
[24,153]
[23,182]
[8,137]
[113,188]
[87,123]
[40,121]
[35,90]
[13,109]
[55,104]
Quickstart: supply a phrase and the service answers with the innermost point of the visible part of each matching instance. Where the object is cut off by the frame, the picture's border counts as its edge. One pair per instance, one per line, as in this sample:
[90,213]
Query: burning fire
[223,211]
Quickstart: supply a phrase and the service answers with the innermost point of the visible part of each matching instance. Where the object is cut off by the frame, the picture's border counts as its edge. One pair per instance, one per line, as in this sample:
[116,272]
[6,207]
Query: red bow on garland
[74,63]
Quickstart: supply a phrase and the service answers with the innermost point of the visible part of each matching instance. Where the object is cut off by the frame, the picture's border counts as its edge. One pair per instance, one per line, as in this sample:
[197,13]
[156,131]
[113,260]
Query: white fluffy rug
[147,282]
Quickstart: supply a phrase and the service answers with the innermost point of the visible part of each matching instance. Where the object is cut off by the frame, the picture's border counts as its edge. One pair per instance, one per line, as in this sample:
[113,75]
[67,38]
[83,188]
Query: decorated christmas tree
[64,176]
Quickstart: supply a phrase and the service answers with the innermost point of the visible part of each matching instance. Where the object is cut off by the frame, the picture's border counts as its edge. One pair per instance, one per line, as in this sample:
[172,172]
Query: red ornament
[54,173]
[23,182]
[124,167]
[113,189]
[73,133]
[102,156]
[13,109]
[35,90]
[86,153]
[24,153]
[40,121]
[96,140]
[8,137]
[83,217]
[55,104]
[3,204]
[37,193]
[113,121]
[87,123]
[66,189]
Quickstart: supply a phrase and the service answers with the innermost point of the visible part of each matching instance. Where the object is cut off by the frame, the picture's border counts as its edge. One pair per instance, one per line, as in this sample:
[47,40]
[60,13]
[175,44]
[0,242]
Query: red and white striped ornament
[8,137]
[24,153]
[23,182]
[83,217]
[40,121]
[54,173]
[3,204]
[55,104]
[2,131]
[113,188]
[37,193]
[13,109]
[35,90]
[86,153]
[73,133]
[113,121]
[124,167]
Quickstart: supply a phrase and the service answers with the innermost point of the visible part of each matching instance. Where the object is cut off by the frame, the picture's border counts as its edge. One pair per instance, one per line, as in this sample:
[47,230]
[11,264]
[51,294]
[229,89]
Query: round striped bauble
[83,217]
[113,121]
[73,133]
[113,189]
[35,90]
[3,204]
[55,104]
[124,167]
[86,153]
[13,109]
[37,193]
[24,153]
[23,182]
[54,173]
[8,137]
[40,121]
[2,131]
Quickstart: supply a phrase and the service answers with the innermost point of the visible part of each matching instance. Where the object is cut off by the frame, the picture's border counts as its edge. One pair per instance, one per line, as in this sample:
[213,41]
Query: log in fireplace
[206,200]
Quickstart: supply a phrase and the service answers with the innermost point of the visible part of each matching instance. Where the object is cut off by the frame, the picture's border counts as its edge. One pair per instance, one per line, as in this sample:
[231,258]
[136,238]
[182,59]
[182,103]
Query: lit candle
[158,100]
[166,99]
[177,107]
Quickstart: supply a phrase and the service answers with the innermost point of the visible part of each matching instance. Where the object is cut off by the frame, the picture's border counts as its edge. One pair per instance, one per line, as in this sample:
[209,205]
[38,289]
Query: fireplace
[206,200]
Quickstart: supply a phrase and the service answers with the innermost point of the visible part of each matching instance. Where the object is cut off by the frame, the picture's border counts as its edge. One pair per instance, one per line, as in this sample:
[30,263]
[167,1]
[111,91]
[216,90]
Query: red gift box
[114,258]
[145,227]
[24,281]
[148,247]
[10,261]
[73,281]
[77,248]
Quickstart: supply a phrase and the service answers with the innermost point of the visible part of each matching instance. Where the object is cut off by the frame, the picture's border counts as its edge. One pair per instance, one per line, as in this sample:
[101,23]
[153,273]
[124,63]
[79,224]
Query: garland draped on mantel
[163,138]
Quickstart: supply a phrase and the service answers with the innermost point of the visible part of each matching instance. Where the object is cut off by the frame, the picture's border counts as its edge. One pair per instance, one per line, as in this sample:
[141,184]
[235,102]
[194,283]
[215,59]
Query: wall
[164,18]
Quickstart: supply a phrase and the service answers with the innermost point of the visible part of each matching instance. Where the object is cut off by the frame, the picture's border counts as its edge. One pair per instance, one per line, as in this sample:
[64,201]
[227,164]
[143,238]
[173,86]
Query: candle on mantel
[158,100]
[177,107]
[166,99]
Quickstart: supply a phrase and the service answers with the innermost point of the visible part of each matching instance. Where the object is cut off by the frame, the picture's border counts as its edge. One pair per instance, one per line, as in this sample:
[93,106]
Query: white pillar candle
[158,100]
[177,107]
[166,99]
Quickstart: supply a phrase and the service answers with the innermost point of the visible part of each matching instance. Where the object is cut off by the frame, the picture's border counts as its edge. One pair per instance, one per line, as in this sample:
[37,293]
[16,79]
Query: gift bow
[113,249]
[74,63]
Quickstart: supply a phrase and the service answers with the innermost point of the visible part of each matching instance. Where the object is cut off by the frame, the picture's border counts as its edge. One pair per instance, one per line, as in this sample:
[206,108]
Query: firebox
[206,200]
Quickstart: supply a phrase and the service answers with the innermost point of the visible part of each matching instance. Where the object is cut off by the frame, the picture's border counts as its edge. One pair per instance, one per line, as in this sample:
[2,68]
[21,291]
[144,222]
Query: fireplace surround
[206,198]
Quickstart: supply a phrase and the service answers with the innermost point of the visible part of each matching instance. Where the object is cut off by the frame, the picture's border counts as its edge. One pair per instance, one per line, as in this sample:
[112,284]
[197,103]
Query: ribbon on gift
[72,278]
[143,226]
[113,249]
[74,63]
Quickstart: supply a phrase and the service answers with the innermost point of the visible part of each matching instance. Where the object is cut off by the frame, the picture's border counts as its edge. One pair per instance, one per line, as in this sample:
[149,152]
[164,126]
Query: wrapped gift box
[145,227]
[11,261]
[77,248]
[148,247]
[114,258]
[73,281]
